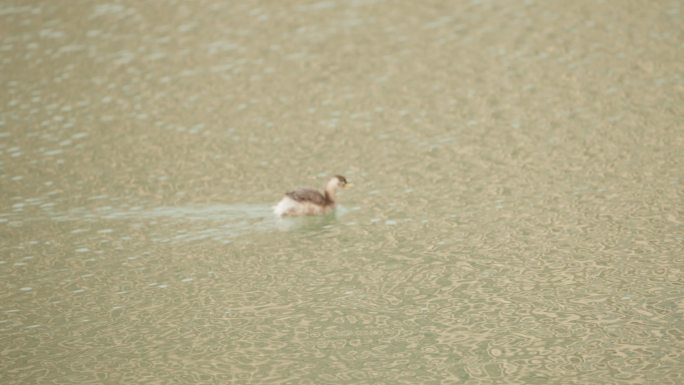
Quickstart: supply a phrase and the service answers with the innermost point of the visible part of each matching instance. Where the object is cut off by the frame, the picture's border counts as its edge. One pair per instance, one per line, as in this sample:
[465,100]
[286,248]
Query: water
[517,216]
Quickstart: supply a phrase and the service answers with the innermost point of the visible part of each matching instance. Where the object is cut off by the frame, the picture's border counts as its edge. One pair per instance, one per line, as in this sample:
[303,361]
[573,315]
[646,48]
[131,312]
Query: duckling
[307,201]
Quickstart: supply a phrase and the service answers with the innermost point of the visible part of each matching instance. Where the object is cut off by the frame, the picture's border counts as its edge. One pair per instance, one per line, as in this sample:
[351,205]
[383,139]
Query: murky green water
[518,216]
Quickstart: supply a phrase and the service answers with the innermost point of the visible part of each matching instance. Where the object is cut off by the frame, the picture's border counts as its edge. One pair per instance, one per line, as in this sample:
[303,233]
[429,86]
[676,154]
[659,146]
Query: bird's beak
[349,185]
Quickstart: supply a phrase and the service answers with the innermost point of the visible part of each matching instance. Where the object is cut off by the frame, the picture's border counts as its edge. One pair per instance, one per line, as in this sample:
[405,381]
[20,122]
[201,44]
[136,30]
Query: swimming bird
[308,201]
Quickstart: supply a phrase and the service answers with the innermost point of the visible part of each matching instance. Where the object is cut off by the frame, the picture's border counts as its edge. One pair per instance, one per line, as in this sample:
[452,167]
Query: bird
[308,201]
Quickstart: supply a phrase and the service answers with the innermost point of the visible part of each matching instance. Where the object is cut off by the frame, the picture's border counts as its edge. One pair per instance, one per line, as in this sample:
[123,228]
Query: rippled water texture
[518,216]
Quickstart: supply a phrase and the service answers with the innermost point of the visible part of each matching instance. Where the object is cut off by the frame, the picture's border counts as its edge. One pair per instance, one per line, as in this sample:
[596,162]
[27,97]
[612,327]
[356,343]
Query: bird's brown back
[308,195]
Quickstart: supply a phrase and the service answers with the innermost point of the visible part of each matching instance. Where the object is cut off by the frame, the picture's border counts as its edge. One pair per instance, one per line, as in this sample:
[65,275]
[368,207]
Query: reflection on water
[517,218]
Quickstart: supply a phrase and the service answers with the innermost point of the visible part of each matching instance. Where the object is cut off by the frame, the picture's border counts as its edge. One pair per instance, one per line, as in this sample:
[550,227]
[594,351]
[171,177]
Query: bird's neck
[330,194]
